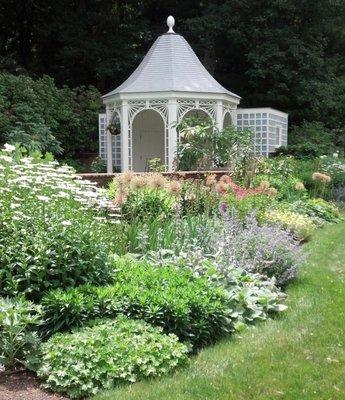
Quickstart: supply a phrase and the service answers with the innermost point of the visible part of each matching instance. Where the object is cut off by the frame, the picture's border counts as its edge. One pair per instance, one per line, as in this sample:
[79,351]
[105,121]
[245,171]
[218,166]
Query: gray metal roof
[171,65]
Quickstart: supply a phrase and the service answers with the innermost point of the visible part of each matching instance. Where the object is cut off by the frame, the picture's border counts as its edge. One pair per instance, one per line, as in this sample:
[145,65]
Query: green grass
[297,356]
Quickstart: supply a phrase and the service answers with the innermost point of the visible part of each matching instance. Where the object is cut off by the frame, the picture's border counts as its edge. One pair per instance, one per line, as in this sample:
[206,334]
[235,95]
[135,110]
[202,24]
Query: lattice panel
[102,121]
[115,142]
[184,106]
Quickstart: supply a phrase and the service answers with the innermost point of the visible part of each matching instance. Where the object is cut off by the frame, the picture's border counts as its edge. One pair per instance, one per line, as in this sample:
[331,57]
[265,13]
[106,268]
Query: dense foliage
[107,354]
[202,146]
[209,258]
[192,309]
[40,116]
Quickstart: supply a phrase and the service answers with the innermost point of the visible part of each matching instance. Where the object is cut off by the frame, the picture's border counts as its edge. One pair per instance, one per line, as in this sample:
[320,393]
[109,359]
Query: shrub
[253,297]
[312,137]
[301,150]
[283,174]
[191,308]
[301,225]
[54,231]
[107,354]
[142,197]
[197,198]
[201,145]
[19,342]
[98,165]
[244,206]
[38,115]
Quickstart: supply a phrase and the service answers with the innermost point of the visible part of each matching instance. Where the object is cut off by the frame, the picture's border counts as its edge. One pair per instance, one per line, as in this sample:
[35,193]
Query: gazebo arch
[148,138]
[227,119]
[199,112]
[171,81]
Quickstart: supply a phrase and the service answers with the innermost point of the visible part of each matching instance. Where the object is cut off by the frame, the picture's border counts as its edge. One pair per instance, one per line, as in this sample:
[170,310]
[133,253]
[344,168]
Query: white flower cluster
[333,166]
[48,182]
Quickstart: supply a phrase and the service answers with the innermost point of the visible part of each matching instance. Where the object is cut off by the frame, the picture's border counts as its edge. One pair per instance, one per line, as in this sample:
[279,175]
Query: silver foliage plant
[268,250]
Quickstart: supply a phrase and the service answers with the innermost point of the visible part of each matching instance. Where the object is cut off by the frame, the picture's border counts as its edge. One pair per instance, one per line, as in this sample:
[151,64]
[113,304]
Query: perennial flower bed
[101,287]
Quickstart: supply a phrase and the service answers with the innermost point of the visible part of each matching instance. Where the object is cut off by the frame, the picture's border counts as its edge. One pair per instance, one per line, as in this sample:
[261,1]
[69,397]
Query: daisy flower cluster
[48,181]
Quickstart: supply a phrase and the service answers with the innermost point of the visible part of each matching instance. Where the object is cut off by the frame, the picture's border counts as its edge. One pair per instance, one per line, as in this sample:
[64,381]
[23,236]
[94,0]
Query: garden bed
[93,299]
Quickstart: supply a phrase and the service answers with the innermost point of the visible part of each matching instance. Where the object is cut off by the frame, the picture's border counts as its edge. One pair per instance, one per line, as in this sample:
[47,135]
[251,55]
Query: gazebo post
[124,137]
[172,133]
[109,144]
[219,115]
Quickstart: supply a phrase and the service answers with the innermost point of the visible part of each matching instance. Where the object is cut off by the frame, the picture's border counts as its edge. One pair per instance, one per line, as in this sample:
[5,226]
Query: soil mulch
[23,386]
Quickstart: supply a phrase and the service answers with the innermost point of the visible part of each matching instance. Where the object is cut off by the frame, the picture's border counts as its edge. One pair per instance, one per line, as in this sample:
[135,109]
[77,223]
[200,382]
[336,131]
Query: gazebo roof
[171,65]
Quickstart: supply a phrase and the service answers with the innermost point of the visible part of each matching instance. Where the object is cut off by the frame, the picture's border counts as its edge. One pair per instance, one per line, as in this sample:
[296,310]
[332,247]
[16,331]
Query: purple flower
[223,208]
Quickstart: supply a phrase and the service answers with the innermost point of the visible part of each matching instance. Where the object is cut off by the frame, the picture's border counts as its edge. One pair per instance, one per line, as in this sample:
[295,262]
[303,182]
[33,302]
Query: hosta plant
[109,353]
[318,209]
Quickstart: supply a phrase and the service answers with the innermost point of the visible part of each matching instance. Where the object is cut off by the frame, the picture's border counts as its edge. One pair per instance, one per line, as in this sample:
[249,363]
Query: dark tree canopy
[287,54]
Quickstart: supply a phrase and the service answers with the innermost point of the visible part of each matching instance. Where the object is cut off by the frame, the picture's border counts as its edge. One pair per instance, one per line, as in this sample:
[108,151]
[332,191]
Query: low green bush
[310,139]
[255,203]
[19,342]
[192,308]
[198,198]
[107,354]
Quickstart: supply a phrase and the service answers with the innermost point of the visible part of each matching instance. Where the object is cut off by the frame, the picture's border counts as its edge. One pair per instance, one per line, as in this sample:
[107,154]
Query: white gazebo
[141,114]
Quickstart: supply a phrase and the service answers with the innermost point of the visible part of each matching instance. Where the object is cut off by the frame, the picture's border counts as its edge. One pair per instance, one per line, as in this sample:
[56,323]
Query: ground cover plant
[106,354]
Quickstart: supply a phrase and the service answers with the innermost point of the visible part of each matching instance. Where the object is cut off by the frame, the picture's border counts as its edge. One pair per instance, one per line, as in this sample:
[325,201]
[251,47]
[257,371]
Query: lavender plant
[268,250]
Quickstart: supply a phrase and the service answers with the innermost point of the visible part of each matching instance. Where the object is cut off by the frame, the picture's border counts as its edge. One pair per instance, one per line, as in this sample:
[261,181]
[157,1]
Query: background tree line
[287,54]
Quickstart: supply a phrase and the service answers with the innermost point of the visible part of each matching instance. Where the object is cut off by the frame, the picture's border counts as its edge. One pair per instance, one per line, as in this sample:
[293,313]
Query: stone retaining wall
[103,178]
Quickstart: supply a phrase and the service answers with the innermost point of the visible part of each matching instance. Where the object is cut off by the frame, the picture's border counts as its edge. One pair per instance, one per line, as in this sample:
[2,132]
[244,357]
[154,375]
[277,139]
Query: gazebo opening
[227,120]
[148,132]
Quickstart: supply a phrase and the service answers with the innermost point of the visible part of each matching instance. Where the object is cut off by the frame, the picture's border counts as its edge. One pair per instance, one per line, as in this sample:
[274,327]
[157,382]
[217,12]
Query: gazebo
[141,114]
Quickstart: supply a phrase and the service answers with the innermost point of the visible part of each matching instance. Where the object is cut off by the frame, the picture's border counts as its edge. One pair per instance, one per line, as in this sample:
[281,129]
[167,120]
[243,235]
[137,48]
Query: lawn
[297,356]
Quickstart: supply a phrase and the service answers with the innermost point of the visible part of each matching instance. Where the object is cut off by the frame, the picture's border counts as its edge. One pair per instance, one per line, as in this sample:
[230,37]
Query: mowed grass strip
[300,355]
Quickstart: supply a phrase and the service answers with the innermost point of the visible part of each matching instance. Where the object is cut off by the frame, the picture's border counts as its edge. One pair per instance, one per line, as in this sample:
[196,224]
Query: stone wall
[103,178]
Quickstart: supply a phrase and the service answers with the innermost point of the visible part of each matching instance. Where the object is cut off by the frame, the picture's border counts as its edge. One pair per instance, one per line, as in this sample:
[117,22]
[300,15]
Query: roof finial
[171,23]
